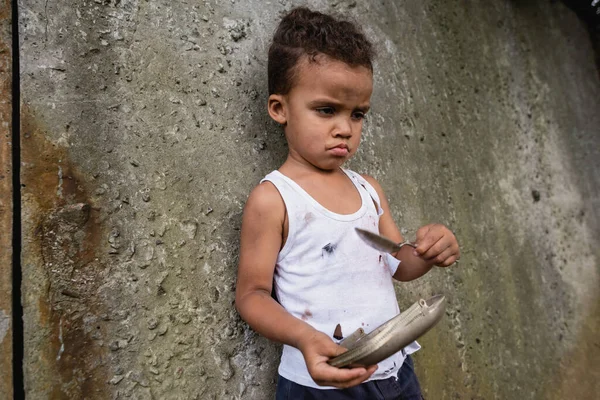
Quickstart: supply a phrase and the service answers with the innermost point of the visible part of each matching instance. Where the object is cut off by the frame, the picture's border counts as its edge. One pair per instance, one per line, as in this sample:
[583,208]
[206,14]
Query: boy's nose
[343,128]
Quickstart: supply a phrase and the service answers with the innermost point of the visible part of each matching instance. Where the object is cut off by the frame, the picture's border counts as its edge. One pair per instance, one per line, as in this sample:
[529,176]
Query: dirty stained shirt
[326,275]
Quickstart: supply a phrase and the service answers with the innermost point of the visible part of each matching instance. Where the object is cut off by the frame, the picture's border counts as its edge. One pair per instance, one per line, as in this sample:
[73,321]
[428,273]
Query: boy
[298,225]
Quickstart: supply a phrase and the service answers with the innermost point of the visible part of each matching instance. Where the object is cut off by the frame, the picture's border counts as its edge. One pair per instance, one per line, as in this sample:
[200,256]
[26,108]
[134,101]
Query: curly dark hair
[303,32]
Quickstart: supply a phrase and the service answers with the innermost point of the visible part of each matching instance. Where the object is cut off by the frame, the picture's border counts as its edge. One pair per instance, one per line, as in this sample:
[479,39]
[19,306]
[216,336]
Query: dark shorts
[406,387]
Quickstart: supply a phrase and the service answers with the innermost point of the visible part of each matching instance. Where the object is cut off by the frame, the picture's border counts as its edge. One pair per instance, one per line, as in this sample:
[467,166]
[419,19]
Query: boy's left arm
[436,244]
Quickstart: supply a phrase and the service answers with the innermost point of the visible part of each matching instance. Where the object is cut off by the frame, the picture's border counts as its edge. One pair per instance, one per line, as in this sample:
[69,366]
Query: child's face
[323,112]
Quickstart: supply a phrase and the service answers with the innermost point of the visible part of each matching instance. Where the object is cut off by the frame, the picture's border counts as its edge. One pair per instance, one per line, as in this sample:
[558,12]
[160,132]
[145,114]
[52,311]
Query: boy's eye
[358,115]
[326,110]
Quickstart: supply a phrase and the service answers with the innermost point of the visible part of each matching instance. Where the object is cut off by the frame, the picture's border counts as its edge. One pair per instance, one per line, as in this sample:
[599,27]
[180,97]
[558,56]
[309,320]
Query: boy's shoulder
[373,182]
[264,201]
[370,179]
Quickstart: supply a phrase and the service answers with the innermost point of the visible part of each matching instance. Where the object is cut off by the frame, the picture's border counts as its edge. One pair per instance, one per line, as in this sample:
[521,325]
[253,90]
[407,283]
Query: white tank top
[326,275]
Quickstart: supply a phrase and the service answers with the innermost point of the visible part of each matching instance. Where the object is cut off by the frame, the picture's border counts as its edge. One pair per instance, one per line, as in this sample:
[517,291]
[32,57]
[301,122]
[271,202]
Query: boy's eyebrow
[326,101]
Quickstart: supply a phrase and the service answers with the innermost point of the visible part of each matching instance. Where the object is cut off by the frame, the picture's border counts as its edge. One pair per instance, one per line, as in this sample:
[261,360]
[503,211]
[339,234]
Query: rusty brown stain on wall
[6,212]
[579,375]
[63,242]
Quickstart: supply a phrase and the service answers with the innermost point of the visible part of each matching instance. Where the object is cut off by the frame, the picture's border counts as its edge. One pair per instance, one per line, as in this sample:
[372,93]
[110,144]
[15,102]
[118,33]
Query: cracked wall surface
[144,127]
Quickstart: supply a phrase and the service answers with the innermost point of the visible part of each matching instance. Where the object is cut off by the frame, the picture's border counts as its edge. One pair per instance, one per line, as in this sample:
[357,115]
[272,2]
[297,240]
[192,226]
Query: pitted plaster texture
[144,128]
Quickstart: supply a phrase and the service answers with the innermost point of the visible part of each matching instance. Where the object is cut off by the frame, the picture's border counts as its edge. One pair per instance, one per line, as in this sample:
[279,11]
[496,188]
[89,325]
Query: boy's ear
[277,108]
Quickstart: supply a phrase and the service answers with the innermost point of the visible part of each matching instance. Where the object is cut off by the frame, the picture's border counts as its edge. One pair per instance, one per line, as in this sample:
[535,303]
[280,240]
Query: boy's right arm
[261,240]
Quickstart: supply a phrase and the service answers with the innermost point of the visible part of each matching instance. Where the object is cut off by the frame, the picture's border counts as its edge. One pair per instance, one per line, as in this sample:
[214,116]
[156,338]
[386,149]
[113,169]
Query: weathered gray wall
[144,129]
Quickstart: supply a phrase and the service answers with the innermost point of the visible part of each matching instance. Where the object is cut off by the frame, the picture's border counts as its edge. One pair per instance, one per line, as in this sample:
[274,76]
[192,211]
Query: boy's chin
[331,165]
[322,163]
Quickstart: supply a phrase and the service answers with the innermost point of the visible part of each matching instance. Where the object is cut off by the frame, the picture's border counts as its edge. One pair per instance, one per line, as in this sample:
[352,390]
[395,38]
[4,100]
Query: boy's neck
[294,168]
[331,188]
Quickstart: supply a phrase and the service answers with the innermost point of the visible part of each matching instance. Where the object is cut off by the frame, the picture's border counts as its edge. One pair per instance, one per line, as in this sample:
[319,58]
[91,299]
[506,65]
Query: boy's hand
[317,349]
[437,245]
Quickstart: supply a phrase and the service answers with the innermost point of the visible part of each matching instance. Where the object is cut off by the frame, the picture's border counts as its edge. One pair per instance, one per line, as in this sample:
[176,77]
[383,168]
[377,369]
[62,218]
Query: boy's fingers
[433,239]
[437,249]
[443,256]
[370,370]
[449,261]
[340,375]
[333,350]
[339,350]
[422,231]
[331,376]
[344,378]
[357,381]
[427,237]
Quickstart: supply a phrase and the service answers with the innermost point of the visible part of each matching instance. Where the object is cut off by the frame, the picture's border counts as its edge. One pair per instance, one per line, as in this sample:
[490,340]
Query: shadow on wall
[589,12]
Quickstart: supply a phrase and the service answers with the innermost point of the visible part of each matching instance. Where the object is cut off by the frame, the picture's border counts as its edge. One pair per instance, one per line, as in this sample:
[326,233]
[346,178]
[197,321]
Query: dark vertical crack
[46,27]
[17,307]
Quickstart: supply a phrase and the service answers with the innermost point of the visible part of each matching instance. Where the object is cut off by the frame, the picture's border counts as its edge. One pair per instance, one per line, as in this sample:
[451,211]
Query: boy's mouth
[340,150]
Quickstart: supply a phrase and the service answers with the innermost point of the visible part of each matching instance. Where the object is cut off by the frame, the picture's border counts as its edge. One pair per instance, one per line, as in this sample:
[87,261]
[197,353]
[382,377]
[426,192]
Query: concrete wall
[144,129]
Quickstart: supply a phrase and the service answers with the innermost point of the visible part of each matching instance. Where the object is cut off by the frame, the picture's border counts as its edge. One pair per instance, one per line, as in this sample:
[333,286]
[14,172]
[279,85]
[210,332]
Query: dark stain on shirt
[329,248]
[308,217]
[307,314]
[390,369]
[337,334]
